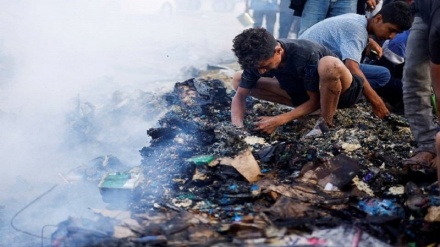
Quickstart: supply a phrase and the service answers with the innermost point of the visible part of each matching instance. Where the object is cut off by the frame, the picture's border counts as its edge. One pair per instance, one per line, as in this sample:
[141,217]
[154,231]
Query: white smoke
[63,59]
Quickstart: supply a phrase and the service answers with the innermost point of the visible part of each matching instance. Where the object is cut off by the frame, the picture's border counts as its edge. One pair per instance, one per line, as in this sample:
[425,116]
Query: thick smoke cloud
[61,60]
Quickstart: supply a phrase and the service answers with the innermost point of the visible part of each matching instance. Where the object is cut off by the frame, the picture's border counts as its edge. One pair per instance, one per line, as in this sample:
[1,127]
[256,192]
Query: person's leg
[417,91]
[258,18]
[392,94]
[286,21]
[377,76]
[314,12]
[294,30]
[334,80]
[340,7]
[267,89]
[271,19]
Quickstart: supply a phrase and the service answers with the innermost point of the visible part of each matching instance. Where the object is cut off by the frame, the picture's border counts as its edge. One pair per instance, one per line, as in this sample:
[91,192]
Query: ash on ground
[207,183]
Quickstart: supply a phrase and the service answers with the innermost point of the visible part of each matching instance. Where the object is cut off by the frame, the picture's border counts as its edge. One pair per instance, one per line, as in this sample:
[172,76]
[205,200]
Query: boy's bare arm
[269,124]
[238,106]
[379,108]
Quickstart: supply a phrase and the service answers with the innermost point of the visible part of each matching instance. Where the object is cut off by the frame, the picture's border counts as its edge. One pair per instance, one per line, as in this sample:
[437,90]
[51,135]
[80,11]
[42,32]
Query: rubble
[208,183]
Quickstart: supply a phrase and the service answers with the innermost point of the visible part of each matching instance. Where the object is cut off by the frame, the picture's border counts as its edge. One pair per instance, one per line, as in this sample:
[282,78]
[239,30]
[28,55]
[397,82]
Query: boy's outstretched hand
[268,124]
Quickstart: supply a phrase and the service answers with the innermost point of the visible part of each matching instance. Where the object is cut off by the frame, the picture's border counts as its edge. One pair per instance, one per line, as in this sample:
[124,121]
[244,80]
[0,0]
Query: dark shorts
[353,94]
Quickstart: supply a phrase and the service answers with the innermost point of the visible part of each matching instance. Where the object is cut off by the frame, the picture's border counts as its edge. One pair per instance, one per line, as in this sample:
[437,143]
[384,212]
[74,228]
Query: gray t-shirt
[346,35]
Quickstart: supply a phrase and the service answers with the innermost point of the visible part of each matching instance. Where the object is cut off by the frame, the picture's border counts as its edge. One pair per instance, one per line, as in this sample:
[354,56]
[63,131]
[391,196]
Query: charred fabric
[208,183]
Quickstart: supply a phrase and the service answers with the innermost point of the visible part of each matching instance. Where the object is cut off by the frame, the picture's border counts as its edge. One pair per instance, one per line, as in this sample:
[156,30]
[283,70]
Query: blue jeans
[269,15]
[286,19]
[317,10]
[417,87]
[377,76]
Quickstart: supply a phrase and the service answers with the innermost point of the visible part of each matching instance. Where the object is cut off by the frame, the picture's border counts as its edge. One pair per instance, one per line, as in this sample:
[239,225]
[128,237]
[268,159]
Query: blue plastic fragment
[237,217]
[369,176]
[233,187]
[377,207]
[265,170]
[435,200]
[225,201]
[254,187]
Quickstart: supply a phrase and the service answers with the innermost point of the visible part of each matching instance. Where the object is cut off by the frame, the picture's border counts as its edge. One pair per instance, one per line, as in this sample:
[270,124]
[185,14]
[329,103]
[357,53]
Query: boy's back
[346,35]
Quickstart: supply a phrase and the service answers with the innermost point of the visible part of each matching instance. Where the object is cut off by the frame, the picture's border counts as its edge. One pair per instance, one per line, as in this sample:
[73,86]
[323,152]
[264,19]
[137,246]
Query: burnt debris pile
[206,183]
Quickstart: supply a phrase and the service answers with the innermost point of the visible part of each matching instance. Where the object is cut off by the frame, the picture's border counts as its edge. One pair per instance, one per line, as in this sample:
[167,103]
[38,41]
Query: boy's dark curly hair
[398,13]
[252,46]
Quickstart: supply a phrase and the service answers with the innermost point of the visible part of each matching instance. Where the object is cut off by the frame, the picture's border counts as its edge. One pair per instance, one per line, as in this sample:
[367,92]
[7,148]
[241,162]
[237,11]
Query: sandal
[421,162]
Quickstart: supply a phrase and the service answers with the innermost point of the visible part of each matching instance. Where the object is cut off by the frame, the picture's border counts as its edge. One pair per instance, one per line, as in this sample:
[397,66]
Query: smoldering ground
[62,60]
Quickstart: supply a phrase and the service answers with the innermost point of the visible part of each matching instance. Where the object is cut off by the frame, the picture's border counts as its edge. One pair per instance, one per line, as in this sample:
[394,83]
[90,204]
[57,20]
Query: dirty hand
[380,110]
[373,47]
[371,5]
[267,124]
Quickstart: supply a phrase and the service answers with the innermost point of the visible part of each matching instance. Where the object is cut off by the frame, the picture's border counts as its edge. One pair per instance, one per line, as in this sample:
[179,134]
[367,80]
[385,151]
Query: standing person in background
[298,7]
[364,6]
[371,9]
[318,10]
[421,71]
[286,19]
[263,10]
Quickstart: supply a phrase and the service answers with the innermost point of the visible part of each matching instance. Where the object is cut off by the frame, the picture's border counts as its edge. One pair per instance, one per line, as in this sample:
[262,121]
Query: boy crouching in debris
[298,73]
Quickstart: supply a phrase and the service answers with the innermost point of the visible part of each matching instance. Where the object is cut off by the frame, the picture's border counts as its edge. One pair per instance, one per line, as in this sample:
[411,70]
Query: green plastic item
[201,159]
[118,180]
[434,104]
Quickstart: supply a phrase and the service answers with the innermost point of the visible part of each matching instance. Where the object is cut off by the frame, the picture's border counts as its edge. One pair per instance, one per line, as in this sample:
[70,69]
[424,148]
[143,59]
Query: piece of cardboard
[245,164]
